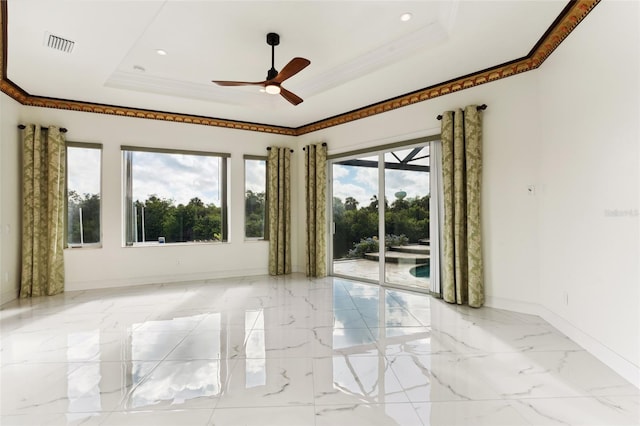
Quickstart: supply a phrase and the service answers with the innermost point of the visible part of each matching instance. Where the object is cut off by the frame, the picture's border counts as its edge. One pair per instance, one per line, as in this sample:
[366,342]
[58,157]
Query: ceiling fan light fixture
[272,89]
[406,17]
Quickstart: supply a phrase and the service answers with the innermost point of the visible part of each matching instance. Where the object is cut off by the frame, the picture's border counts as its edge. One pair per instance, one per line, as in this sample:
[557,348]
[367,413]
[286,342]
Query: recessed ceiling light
[406,17]
[161,52]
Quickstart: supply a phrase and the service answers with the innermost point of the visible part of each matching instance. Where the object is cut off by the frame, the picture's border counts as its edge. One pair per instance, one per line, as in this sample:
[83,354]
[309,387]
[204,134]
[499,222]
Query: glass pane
[176,197]
[407,217]
[355,215]
[255,177]
[83,195]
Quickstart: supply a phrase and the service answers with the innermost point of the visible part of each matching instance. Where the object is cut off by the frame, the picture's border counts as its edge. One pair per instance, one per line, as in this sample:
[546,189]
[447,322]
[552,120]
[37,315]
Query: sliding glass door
[381,216]
[406,217]
[356,218]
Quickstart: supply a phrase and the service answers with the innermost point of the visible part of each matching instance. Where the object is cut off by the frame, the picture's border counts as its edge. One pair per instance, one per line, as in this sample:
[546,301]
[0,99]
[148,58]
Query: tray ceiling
[361,52]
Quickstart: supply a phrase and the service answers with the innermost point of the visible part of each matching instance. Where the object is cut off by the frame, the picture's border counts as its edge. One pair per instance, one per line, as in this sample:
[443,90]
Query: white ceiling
[360,51]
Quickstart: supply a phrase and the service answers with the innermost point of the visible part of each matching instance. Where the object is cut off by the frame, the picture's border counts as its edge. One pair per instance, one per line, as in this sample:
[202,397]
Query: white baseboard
[8,296]
[613,360]
[513,305]
[617,363]
[161,279]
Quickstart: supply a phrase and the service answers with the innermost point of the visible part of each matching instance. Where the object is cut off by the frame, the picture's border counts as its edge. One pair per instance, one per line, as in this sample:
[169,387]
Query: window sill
[84,246]
[157,244]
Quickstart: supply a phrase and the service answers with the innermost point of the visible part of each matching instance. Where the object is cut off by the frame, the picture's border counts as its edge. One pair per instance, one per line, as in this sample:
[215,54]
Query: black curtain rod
[323,144]
[22,126]
[479,108]
[269,149]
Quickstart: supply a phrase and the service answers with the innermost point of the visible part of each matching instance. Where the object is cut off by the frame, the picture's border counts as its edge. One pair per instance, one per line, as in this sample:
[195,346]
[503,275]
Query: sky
[174,176]
[255,175]
[361,183]
[83,170]
[182,177]
[179,177]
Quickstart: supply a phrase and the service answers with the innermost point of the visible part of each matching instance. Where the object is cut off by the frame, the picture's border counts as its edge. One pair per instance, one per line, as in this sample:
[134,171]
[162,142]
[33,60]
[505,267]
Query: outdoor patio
[395,273]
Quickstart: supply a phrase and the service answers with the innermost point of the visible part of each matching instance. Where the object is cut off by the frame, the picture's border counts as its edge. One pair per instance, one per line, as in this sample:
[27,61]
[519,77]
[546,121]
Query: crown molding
[565,23]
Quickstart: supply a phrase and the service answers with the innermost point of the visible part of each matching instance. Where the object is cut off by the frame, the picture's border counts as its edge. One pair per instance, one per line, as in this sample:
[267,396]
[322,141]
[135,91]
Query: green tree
[355,227]
[350,203]
[153,212]
[254,207]
[89,204]
[182,223]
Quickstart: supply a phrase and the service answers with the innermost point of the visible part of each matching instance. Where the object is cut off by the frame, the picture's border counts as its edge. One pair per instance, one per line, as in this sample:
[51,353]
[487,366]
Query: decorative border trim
[569,18]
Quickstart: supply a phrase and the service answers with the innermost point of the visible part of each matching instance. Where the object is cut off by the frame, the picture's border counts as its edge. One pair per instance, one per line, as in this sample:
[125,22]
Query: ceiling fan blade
[239,83]
[291,97]
[292,68]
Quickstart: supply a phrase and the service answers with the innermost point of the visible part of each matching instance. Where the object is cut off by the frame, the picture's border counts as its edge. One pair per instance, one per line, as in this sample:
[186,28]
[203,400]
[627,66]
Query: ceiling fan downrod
[273,40]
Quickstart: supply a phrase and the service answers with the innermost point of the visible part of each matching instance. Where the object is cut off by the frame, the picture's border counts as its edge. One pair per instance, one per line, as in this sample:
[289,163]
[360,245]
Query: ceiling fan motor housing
[273,39]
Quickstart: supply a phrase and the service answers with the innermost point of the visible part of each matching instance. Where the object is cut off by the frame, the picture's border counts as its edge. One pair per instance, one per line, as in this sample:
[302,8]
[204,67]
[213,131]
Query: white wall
[511,138]
[589,169]
[114,265]
[9,199]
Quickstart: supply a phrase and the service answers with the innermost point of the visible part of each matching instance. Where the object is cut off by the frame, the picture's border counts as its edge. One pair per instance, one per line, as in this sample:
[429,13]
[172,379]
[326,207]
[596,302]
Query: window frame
[264,158]
[127,192]
[87,145]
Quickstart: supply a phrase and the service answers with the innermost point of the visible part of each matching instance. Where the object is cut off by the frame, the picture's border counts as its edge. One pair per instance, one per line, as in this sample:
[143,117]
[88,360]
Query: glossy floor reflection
[293,351]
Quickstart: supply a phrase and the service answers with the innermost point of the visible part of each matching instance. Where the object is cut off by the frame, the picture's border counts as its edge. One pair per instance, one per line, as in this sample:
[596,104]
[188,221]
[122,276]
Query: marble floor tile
[208,344]
[405,341]
[44,388]
[190,417]
[55,419]
[438,378]
[264,416]
[367,415]
[348,318]
[352,379]
[596,411]
[476,413]
[279,343]
[293,351]
[269,382]
[186,384]
[472,338]
[329,341]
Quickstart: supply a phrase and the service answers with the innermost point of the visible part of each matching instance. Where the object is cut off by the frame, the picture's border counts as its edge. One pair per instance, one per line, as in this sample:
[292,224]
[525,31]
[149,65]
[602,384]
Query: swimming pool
[421,271]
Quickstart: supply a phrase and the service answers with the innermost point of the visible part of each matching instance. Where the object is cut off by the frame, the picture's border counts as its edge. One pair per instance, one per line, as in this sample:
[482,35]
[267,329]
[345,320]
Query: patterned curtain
[462,266]
[279,204]
[315,185]
[43,207]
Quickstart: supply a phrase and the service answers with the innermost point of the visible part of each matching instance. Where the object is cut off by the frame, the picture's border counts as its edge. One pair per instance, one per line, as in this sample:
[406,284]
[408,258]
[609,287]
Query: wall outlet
[531,189]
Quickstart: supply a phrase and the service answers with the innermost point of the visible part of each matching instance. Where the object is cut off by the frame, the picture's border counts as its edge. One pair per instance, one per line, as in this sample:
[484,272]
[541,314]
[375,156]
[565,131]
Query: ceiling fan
[272,84]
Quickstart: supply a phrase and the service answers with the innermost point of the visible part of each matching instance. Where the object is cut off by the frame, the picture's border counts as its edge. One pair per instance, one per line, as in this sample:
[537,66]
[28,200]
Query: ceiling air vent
[59,43]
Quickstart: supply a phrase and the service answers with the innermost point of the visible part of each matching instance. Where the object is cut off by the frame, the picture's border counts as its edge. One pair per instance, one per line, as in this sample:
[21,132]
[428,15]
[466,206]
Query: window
[174,196]
[83,194]
[255,197]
